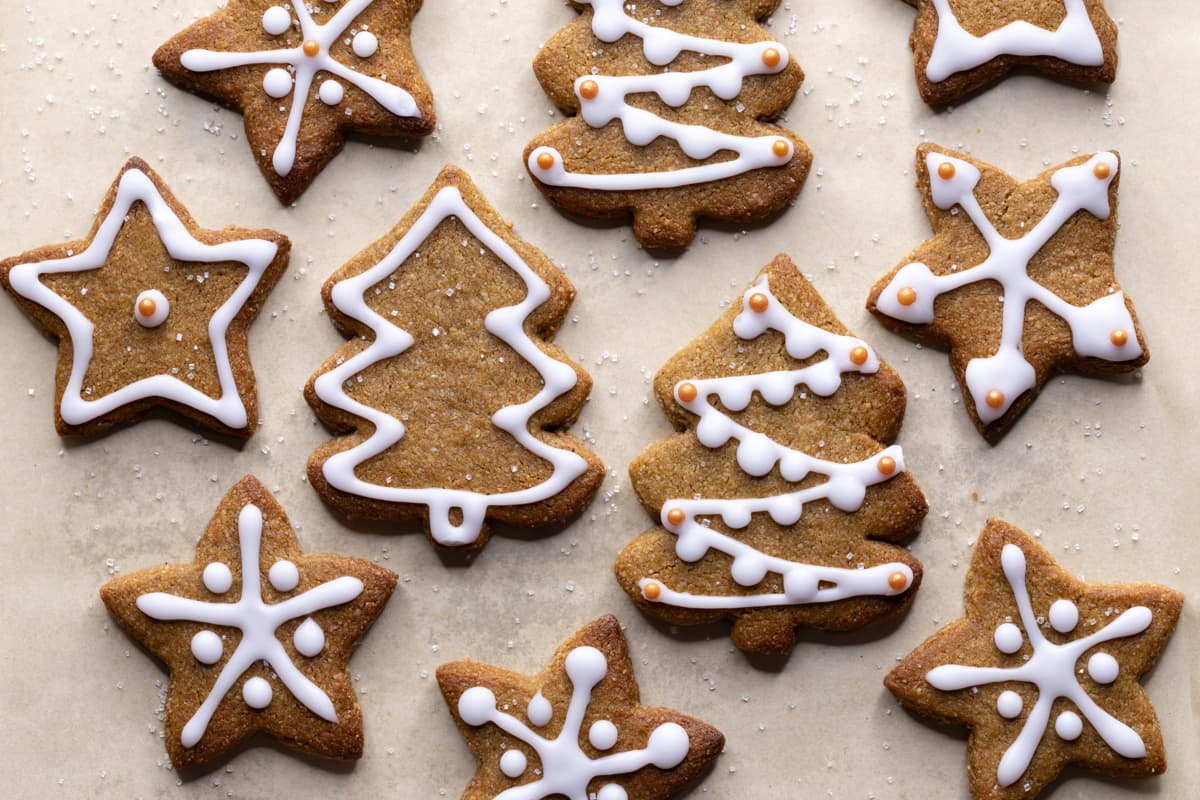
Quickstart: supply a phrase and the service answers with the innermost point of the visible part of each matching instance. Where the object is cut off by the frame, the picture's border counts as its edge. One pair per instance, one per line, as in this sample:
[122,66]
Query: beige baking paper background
[1104,470]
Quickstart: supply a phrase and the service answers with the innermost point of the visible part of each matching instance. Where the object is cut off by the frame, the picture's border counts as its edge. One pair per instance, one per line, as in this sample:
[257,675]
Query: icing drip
[1102,329]
[135,186]
[1051,669]
[602,99]
[348,296]
[307,60]
[955,50]
[565,769]
[257,622]
[757,455]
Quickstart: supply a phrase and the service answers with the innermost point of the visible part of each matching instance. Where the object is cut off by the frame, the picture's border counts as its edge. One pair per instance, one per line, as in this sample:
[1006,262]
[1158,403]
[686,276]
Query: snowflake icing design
[1051,669]
[565,768]
[305,62]
[1102,329]
[258,622]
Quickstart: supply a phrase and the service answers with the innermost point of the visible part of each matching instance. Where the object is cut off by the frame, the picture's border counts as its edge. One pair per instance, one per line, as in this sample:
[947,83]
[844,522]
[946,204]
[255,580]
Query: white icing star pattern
[258,622]
[306,60]
[1051,669]
[758,454]
[1102,329]
[565,768]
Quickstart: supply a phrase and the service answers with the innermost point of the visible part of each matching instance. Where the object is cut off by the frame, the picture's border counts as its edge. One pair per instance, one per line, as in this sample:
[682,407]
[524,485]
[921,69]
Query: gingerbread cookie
[305,76]
[451,401]
[528,733]
[256,634]
[671,102]
[150,310]
[1043,668]
[964,45]
[779,500]
[1017,282]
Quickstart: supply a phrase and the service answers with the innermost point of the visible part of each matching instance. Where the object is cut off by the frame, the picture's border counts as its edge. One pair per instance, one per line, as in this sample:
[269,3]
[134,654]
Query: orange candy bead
[1119,337]
[859,355]
[676,516]
[886,465]
[545,160]
[771,57]
[1101,171]
[759,302]
[946,170]
[652,590]
[995,398]
[589,89]
[687,392]
[146,307]
[897,580]
[781,148]
[311,48]
[906,296]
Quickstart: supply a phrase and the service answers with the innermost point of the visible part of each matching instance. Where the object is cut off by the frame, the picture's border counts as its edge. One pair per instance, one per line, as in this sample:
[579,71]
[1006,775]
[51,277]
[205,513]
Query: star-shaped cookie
[349,63]
[1018,280]
[150,310]
[1043,668]
[258,649]
[961,46]
[577,730]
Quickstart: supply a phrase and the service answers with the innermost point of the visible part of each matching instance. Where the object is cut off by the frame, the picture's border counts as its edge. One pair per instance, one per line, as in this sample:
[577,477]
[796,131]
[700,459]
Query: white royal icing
[757,455]
[135,186]
[305,68]
[661,46]
[1052,670]
[507,323]
[955,49]
[1079,189]
[257,622]
[565,769]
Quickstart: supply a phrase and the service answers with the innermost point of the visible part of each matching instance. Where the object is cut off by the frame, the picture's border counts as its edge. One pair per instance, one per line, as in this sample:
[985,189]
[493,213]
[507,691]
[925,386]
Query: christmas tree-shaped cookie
[779,499]
[449,399]
[669,105]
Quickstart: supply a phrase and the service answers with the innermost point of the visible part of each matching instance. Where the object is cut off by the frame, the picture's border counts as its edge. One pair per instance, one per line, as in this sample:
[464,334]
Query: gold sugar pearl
[995,398]
[652,590]
[886,465]
[146,307]
[545,160]
[906,296]
[771,57]
[859,355]
[687,393]
[781,148]
[1119,337]
[946,170]
[676,516]
[589,89]
[311,48]
[897,580]
[759,302]
[1101,171]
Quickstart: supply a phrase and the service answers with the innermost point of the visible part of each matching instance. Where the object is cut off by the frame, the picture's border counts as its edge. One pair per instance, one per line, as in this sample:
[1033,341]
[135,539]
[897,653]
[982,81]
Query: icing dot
[781,148]
[1064,616]
[1008,638]
[995,398]
[311,48]
[1068,726]
[476,705]
[800,585]
[545,160]
[1101,171]
[151,308]
[276,20]
[1009,704]
[1119,337]
[897,580]
[364,44]
[331,92]
[207,647]
[676,516]
[687,392]
[906,296]
[771,57]
[602,734]
[886,465]
[513,763]
[257,693]
[284,576]
[539,711]
[859,355]
[946,170]
[589,89]
[309,638]
[652,590]
[759,302]
[217,578]
[277,82]
[1103,668]
[668,745]
[612,792]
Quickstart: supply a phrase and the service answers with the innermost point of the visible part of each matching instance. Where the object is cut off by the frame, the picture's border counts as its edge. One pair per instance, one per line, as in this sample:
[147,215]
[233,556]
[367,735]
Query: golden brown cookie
[671,103]
[1017,281]
[150,310]
[964,45]
[780,503]
[1043,668]
[257,635]
[450,400]
[577,730]
[350,62]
